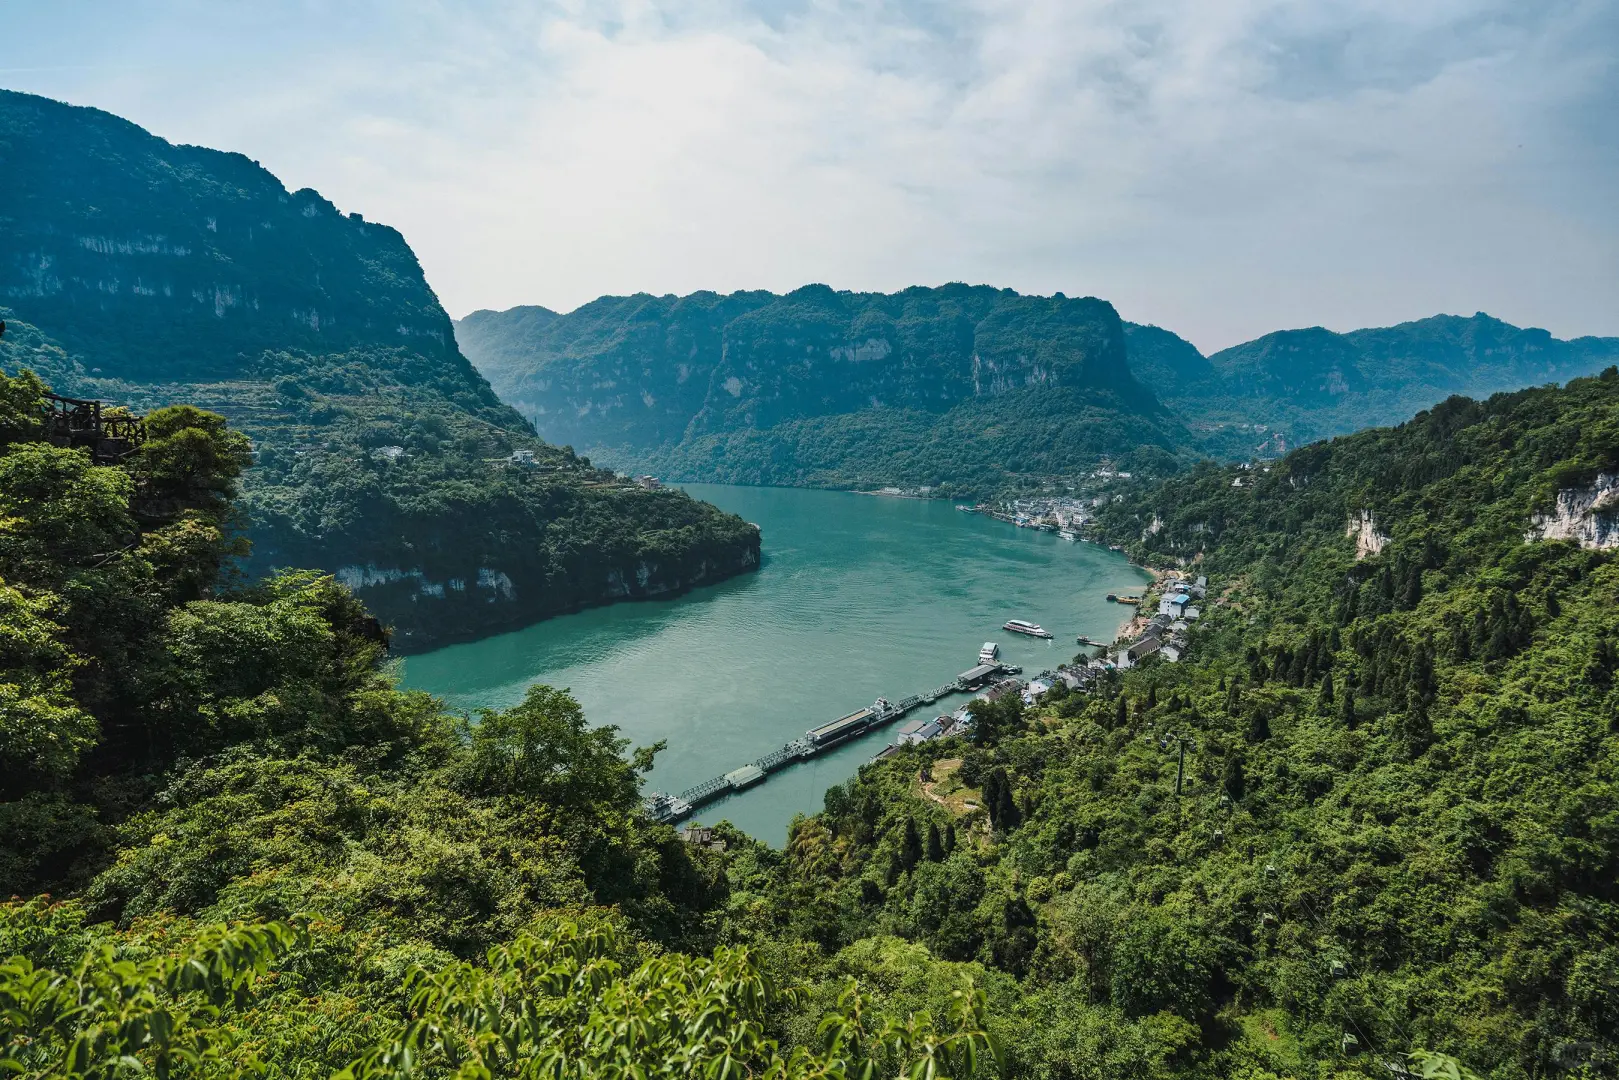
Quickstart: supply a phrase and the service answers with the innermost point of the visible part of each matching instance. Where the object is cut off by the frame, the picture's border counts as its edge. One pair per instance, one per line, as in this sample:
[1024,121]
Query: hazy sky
[1220,167]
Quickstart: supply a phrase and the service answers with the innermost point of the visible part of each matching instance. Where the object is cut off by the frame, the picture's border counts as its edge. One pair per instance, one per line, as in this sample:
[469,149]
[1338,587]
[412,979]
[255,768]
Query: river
[858,597]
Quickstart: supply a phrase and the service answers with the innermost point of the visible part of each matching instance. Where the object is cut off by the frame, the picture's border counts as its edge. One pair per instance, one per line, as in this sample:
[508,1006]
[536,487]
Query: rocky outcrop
[1362,528]
[179,260]
[1588,515]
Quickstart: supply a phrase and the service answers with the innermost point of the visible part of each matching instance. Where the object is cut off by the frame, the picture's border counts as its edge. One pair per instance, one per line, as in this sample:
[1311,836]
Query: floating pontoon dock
[671,808]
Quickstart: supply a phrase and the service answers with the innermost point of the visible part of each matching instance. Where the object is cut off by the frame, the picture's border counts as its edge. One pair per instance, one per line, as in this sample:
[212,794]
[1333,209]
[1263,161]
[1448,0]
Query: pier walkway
[672,808]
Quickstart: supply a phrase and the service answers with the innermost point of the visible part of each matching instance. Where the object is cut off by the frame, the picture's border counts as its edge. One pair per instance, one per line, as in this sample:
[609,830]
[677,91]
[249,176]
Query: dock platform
[672,808]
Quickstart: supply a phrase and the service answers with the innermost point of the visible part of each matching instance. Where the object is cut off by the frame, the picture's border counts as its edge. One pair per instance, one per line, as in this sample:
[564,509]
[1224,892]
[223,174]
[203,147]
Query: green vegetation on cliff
[146,274]
[971,387]
[966,389]
[1399,825]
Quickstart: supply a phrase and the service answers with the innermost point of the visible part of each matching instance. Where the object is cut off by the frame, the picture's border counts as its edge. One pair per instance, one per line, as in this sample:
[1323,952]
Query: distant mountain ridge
[147,273]
[819,386]
[1315,383]
[968,386]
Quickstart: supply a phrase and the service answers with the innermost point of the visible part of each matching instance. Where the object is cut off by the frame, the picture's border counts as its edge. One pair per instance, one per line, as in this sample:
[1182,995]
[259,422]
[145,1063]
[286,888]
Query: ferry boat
[1018,626]
[988,653]
[1068,535]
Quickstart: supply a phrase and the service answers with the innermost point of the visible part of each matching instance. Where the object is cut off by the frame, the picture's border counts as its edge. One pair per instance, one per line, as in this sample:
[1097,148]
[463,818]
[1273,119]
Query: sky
[1222,168]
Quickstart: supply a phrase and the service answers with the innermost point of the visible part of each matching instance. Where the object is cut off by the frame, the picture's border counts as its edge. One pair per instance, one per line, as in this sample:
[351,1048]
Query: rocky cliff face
[147,274]
[1362,529]
[1588,515]
[179,259]
[430,611]
[644,373]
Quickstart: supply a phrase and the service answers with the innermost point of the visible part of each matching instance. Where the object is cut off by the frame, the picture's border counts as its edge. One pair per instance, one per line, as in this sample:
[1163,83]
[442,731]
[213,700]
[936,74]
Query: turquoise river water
[858,597]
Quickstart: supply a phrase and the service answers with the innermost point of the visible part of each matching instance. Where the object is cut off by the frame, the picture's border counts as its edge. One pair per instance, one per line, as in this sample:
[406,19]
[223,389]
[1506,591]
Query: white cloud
[1219,168]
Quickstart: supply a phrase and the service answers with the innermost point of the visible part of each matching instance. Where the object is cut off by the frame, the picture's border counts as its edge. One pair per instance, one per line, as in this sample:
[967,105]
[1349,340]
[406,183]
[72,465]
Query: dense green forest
[1393,845]
[1397,829]
[969,390]
[149,274]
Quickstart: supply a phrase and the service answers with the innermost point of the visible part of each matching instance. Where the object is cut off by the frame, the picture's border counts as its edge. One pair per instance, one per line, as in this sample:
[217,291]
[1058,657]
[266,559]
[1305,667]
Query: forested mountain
[965,387]
[1398,828]
[1391,846]
[1311,383]
[146,273]
[957,385]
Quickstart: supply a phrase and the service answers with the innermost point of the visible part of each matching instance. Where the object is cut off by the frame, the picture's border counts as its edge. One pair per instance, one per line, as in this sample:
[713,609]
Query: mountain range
[958,385]
[1313,383]
[965,387]
[146,273]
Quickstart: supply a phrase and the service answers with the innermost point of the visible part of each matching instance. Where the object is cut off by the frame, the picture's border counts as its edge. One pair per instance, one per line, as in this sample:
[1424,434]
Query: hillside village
[1176,603]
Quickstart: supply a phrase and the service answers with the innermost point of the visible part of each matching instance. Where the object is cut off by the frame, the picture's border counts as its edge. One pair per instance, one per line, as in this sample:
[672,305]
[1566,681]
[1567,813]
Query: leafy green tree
[1233,777]
[1160,961]
[43,731]
[22,408]
[993,720]
[60,516]
[190,460]
[910,845]
[559,1004]
[111,1017]
[542,748]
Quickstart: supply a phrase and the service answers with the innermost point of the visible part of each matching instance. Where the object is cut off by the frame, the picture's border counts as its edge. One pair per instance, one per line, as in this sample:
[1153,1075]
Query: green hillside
[1398,828]
[259,853]
[965,389]
[146,273]
[965,386]
[1313,383]
[1390,848]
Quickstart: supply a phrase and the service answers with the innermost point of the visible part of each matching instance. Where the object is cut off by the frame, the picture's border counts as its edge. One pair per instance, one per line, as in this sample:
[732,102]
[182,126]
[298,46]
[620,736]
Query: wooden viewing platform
[78,422]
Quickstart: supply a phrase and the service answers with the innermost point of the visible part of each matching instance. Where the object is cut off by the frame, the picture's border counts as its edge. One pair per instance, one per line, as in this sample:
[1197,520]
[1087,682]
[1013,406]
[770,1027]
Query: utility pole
[1180,767]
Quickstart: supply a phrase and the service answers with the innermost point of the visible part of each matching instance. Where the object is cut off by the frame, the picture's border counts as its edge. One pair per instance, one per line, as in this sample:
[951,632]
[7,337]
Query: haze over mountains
[147,273]
[965,385]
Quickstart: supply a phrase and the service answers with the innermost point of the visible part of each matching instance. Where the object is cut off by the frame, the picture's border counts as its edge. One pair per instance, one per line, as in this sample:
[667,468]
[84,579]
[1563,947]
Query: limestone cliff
[1588,515]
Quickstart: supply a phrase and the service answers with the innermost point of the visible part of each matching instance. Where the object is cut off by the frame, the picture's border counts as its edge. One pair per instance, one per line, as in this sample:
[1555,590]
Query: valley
[857,599]
[330,734]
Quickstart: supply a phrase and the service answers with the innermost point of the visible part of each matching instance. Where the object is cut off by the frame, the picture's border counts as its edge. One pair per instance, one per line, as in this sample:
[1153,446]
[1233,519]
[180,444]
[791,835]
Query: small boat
[1127,599]
[988,653]
[1018,626]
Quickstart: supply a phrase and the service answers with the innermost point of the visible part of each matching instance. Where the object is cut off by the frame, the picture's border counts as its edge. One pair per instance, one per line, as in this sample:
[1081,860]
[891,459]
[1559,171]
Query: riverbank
[860,598]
